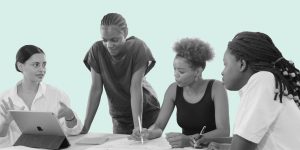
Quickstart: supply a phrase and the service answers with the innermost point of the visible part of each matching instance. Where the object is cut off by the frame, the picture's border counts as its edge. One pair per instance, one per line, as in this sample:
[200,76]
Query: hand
[200,141]
[65,112]
[178,140]
[136,134]
[218,146]
[6,106]
[84,130]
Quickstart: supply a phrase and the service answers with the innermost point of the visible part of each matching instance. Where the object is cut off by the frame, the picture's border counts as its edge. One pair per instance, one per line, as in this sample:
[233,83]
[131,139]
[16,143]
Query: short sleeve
[91,58]
[258,109]
[142,56]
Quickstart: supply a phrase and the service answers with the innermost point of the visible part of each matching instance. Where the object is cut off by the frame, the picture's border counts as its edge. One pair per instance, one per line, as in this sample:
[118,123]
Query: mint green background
[65,30]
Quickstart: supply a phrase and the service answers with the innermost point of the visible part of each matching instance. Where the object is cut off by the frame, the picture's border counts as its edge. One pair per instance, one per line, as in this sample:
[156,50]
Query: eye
[104,40]
[35,65]
[114,40]
[44,64]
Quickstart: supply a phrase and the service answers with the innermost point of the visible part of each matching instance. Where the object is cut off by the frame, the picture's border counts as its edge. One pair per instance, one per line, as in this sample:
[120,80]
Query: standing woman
[30,94]
[119,64]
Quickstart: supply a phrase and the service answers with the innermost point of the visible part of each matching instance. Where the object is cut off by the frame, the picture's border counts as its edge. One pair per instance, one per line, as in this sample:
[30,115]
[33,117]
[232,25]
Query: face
[113,39]
[232,74]
[34,69]
[184,74]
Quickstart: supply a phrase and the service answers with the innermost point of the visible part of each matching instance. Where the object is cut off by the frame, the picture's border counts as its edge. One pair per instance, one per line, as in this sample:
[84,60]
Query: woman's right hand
[6,106]
[84,130]
[136,134]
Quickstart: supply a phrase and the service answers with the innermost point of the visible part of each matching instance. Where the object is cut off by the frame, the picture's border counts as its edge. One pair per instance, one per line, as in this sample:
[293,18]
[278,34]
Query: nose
[176,75]
[110,44]
[42,68]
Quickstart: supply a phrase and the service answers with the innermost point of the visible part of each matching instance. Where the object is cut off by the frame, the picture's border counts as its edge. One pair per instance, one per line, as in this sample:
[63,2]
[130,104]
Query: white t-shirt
[262,120]
[46,100]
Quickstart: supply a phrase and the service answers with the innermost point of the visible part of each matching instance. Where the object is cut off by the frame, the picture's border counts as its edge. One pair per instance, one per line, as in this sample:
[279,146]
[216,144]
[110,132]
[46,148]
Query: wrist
[70,118]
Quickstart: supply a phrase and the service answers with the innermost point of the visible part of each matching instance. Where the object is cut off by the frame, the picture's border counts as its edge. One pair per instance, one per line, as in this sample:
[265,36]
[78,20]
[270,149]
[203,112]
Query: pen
[201,133]
[140,126]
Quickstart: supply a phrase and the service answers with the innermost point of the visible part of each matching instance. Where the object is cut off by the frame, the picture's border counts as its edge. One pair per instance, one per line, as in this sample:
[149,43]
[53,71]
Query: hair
[115,19]
[260,54]
[25,52]
[194,50]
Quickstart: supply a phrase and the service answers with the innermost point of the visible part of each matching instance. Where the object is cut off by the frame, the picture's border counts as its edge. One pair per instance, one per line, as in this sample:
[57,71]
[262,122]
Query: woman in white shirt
[268,115]
[31,94]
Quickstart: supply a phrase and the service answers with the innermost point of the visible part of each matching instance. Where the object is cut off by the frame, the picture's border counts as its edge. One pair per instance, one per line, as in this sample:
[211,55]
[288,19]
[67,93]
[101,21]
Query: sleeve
[142,56]
[91,58]
[259,109]
[78,127]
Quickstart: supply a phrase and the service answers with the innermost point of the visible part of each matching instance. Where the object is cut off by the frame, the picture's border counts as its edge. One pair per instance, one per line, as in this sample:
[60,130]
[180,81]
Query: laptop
[39,130]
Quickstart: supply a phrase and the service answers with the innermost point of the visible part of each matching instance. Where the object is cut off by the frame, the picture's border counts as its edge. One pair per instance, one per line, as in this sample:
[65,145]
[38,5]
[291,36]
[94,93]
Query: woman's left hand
[178,140]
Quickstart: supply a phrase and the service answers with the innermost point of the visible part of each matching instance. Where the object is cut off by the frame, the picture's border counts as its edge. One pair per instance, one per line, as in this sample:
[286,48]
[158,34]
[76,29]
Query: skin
[33,70]
[114,39]
[235,75]
[191,81]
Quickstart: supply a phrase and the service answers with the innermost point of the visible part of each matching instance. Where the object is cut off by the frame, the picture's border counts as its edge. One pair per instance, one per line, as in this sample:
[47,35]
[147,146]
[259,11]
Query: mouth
[40,75]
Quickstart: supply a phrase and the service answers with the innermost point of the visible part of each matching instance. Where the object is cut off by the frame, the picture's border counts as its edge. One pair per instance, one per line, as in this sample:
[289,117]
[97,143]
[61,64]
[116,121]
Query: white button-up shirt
[47,99]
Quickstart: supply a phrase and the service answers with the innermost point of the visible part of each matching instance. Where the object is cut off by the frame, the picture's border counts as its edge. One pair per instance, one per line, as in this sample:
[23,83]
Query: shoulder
[98,45]
[171,91]
[53,90]
[135,43]
[262,78]
[217,88]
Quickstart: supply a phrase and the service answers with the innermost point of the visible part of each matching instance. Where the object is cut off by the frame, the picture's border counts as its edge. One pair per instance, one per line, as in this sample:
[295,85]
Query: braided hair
[195,51]
[115,19]
[260,53]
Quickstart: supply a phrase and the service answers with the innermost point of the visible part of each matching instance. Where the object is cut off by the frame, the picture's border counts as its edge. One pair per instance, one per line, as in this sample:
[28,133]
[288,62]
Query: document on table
[125,144]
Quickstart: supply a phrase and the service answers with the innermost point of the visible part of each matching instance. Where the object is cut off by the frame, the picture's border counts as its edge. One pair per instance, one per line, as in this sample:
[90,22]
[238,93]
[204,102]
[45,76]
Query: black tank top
[192,117]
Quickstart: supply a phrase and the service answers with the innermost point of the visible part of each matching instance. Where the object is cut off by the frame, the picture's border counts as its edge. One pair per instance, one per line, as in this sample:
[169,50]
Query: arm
[241,143]
[137,95]
[219,97]
[165,113]
[94,100]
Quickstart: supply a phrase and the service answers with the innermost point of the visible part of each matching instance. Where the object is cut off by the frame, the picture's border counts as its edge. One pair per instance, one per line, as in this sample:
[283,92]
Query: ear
[199,71]
[243,65]
[20,66]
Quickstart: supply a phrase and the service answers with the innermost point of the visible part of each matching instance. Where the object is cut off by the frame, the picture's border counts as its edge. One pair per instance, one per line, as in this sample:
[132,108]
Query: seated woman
[199,102]
[31,94]
[268,117]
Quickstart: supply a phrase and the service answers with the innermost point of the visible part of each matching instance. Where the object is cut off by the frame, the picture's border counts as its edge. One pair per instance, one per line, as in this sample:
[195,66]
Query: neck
[29,86]
[195,86]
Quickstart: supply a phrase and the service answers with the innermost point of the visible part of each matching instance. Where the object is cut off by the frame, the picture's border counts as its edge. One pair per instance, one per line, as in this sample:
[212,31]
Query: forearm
[93,103]
[136,105]
[217,133]
[154,133]
[3,129]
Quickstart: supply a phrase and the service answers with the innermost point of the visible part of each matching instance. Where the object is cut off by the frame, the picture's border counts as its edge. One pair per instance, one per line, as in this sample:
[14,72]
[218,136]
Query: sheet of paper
[92,140]
[125,144]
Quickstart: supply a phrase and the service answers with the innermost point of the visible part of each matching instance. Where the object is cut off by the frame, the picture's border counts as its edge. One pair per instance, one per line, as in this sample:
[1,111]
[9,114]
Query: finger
[3,115]
[6,105]
[11,104]
[63,105]
[3,109]
[22,108]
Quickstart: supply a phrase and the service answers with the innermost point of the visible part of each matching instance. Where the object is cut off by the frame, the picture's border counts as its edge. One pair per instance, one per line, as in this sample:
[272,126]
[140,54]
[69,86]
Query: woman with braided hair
[268,116]
[119,64]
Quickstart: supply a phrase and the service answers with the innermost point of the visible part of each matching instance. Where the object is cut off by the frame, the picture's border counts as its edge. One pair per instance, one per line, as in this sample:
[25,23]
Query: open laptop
[39,130]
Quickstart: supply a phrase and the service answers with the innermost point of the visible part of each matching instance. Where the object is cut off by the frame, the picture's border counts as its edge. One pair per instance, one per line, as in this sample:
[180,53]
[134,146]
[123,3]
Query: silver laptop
[37,123]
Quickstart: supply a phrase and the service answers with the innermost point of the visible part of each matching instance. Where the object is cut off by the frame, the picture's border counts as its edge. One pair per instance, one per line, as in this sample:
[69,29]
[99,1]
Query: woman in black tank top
[199,102]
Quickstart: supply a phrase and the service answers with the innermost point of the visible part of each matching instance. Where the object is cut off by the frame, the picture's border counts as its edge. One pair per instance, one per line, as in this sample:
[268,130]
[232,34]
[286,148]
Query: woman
[200,102]
[119,64]
[30,94]
[268,115]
